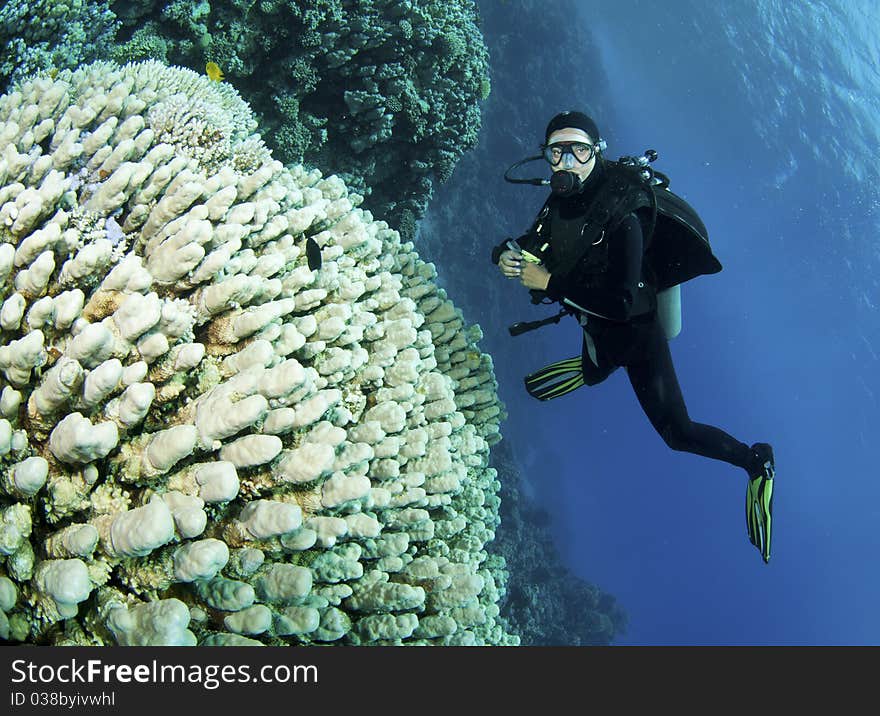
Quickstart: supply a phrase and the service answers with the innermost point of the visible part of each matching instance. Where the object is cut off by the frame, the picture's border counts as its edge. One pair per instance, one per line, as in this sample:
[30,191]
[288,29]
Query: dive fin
[556,379]
[759,507]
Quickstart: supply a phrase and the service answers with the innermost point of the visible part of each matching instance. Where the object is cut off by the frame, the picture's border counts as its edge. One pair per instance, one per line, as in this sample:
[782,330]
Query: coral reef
[386,92]
[204,440]
[42,34]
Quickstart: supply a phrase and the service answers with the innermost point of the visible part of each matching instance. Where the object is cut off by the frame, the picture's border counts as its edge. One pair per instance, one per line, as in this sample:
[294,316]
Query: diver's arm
[530,241]
[511,246]
[614,298]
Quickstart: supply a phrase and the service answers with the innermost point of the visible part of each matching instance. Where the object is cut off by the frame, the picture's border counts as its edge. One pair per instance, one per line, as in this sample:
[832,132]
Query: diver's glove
[759,498]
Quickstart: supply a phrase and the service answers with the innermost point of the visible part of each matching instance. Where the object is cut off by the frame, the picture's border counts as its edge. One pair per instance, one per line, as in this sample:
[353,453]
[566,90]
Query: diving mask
[567,153]
[563,156]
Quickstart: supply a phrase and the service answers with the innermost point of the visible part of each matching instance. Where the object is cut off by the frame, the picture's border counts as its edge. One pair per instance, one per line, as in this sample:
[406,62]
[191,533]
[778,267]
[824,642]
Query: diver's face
[572,139]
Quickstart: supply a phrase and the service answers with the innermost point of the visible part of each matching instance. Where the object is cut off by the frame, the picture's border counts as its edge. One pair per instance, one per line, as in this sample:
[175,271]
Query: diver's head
[571,147]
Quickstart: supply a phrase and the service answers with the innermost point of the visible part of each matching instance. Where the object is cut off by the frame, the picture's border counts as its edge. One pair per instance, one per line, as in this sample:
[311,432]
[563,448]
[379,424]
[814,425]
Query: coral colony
[203,440]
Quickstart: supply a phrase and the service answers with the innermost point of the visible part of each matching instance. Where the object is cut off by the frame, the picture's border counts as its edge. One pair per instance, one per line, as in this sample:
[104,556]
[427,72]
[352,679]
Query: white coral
[188,402]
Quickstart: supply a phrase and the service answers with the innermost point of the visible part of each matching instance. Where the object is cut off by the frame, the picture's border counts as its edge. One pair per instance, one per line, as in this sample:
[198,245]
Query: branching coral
[205,440]
[384,91]
[43,34]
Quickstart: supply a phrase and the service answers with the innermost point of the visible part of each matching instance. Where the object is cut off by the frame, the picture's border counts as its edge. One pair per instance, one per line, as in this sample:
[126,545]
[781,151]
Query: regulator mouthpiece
[564,183]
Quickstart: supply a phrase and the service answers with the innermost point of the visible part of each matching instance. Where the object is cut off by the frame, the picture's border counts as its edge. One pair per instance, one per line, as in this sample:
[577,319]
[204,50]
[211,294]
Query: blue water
[765,116]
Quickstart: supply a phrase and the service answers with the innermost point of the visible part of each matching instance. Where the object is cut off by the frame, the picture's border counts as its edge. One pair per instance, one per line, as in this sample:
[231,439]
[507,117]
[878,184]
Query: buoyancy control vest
[676,242]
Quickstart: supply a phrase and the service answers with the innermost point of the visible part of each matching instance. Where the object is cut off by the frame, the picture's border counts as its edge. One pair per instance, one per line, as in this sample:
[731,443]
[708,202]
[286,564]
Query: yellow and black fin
[759,510]
[556,379]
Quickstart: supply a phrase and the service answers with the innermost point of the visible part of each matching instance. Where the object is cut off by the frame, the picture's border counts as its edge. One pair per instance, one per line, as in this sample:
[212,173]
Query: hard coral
[43,34]
[414,74]
[206,441]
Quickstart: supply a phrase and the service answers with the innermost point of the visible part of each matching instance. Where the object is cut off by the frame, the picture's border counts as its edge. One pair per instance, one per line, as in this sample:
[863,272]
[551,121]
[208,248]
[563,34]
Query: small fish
[214,72]
[313,254]
[53,73]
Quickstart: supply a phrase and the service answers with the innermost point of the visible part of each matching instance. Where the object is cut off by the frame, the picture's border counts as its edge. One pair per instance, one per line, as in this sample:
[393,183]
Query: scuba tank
[669,310]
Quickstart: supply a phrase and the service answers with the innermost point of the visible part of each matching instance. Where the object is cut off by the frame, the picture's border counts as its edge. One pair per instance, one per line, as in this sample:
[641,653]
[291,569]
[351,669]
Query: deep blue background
[764,115]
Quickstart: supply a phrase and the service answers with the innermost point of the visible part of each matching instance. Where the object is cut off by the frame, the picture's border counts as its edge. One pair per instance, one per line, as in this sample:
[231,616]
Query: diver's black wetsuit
[636,342]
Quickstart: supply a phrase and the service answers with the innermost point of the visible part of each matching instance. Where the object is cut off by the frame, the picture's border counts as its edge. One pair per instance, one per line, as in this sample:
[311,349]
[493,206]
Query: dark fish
[313,254]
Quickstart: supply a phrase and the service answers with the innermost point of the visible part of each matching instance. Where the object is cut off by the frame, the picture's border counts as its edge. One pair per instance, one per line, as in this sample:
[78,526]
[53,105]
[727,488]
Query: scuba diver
[612,245]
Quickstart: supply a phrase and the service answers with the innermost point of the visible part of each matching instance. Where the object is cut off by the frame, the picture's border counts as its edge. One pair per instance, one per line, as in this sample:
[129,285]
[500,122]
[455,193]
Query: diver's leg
[653,378]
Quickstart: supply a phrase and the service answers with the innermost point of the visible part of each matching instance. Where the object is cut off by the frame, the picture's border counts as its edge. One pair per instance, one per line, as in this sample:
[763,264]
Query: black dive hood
[562,183]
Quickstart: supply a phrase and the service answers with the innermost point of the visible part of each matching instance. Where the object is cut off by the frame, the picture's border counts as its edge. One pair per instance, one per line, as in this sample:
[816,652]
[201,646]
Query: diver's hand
[534,276]
[510,263]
